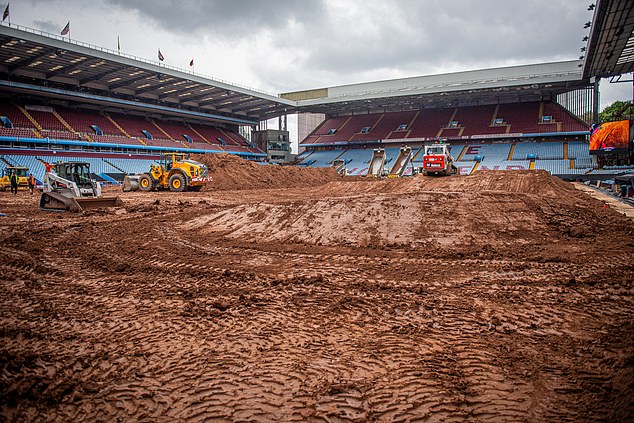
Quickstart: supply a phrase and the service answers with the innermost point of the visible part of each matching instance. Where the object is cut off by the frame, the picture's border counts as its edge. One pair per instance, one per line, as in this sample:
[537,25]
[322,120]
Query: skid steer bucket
[60,202]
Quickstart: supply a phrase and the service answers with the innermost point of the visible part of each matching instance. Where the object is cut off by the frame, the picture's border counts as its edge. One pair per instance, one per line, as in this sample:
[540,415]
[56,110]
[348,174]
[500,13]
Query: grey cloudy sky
[287,45]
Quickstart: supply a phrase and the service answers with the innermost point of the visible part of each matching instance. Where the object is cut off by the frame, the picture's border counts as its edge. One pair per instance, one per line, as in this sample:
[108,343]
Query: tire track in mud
[475,389]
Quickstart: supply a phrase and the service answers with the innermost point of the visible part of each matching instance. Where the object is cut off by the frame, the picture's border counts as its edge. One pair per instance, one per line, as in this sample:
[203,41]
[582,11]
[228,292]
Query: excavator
[176,172]
[68,186]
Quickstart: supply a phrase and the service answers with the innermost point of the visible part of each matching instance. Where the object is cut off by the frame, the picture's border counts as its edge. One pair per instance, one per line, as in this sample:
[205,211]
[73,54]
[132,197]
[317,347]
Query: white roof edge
[456,81]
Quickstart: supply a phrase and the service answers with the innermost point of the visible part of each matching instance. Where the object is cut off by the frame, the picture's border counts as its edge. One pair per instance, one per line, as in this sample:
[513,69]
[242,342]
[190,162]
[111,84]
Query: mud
[494,297]
[230,172]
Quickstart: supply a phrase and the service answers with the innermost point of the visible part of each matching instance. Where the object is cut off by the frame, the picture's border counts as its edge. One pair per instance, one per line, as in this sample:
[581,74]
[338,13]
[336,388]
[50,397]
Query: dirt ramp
[503,210]
[538,182]
[521,181]
[230,172]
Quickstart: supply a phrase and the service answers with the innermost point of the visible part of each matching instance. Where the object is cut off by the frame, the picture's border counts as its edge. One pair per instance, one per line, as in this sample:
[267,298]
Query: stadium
[317,286]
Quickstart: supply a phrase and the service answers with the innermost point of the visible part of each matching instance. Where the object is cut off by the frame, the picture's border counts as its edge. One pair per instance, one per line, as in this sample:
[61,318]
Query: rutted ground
[502,296]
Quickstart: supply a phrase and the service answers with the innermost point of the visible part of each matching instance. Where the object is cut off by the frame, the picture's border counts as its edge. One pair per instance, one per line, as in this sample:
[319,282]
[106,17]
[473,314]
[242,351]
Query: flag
[66,29]
[191,63]
[160,55]
[5,15]
[118,44]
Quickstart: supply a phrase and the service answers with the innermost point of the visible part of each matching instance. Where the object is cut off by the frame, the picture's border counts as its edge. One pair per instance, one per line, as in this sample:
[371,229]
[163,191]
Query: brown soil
[500,296]
[230,172]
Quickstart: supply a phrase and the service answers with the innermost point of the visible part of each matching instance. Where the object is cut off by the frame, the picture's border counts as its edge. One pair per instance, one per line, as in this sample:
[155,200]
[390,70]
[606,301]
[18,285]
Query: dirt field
[504,296]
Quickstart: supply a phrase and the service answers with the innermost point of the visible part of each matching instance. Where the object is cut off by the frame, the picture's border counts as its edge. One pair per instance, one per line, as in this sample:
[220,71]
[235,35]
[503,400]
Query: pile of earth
[506,210]
[230,172]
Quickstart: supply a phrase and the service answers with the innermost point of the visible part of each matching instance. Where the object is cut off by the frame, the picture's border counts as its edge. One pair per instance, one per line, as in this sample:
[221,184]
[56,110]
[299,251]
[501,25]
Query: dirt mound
[230,172]
[537,182]
[432,214]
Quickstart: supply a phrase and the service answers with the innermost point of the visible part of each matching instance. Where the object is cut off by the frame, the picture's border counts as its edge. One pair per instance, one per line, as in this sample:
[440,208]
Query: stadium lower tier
[557,157]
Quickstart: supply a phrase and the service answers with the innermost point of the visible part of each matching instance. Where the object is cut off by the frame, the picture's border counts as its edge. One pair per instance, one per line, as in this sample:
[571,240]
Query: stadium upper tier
[34,122]
[490,121]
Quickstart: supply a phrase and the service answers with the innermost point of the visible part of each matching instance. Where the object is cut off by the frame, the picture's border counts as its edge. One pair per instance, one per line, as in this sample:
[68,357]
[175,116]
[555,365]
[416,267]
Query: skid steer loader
[67,186]
[437,160]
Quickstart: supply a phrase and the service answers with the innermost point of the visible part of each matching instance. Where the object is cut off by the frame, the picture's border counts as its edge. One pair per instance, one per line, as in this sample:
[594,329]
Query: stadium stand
[84,121]
[465,168]
[18,133]
[47,120]
[357,161]
[555,167]
[361,128]
[578,149]
[496,164]
[15,115]
[115,129]
[322,158]
[394,125]
[540,150]
[478,120]
[480,152]
[473,121]
[130,166]
[428,123]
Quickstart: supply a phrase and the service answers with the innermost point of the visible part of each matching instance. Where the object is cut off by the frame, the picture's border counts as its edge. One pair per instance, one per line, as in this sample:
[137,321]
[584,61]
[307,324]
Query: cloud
[48,26]
[227,19]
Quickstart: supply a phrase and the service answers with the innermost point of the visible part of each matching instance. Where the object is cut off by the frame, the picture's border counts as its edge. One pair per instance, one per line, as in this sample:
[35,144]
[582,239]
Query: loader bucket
[130,183]
[59,202]
[98,202]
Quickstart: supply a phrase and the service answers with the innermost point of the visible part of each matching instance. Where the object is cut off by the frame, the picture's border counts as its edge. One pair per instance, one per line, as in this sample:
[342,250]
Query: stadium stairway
[30,118]
[511,151]
[162,131]
[114,122]
[198,133]
[63,121]
[115,166]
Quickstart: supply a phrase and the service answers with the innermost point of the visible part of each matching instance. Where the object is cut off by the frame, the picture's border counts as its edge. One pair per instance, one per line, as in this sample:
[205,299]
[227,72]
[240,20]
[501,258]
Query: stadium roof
[610,49]
[42,64]
[487,86]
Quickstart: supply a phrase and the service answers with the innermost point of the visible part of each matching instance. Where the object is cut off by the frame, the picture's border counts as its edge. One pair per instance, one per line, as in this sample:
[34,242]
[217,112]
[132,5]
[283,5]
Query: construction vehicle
[402,161]
[176,172]
[377,164]
[68,186]
[22,172]
[340,167]
[437,160]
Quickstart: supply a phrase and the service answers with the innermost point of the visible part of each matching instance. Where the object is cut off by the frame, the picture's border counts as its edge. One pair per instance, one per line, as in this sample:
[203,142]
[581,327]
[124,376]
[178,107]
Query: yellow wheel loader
[176,172]
[22,173]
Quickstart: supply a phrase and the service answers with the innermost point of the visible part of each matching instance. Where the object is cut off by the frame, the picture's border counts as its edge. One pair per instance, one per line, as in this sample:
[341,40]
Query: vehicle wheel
[177,182]
[145,183]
